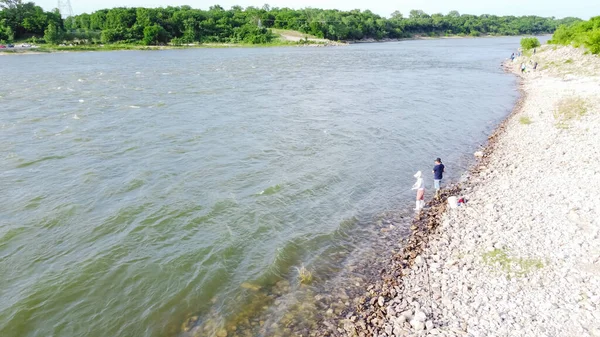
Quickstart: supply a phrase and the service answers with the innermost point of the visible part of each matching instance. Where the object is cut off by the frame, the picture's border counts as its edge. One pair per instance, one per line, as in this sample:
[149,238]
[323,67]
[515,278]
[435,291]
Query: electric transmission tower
[65,9]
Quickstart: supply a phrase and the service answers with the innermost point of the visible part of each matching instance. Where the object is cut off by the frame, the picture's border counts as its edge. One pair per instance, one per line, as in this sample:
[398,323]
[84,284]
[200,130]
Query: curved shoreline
[372,309]
[485,268]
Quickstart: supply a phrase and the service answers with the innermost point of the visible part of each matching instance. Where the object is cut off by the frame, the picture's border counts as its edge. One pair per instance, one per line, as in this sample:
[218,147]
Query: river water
[143,191]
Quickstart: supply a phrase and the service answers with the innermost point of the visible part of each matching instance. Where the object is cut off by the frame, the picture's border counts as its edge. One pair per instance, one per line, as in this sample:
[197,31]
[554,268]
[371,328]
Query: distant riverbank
[428,37]
[288,39]
[89,48]
[119,47]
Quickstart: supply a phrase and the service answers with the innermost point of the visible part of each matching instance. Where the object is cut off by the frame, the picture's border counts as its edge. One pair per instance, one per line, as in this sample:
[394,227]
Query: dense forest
[586,33]
[177,25]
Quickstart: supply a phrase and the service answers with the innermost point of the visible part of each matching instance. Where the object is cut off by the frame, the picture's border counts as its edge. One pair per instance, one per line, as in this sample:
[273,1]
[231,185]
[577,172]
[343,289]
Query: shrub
[569,109]
[584,33]
[593,41]
[53,34]
[112,35]
[562,35]
[525,120]
[155,34]
[177,41]
[530,43]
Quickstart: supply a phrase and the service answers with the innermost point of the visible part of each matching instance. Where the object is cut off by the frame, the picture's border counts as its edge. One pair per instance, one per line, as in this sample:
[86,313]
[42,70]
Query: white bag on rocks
[453,202]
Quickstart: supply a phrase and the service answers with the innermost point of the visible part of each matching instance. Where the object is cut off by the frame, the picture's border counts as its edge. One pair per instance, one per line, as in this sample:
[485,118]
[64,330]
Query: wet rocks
[419,261]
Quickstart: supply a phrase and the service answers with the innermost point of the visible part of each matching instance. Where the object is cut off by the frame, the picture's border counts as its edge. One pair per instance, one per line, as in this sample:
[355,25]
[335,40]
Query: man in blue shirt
[438,174]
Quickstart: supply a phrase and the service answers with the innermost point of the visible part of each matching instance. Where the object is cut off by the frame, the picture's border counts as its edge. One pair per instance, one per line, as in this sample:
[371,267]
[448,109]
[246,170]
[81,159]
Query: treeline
[20,20]
[184,24]
[586,33]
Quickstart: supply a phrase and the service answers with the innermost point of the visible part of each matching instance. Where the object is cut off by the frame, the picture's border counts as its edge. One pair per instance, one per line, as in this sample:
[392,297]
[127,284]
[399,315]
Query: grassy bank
[287,38]
[46,48]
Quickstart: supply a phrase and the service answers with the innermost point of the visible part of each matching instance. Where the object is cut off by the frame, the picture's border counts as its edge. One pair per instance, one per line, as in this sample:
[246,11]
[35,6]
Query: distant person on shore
[438,175]
[533,51]
[420,187]
[512,56]
[535,65]
[522,68]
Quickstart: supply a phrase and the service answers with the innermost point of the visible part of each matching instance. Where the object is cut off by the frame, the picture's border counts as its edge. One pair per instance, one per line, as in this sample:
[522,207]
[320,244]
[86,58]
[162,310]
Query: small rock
[400,320]
[429,325]
[389,329]
[350,327]
[222,333]
[407,315]
[420,316]
[419,261]
[250,286]
[478,154]
[417,325]
[381,301]
[450,262]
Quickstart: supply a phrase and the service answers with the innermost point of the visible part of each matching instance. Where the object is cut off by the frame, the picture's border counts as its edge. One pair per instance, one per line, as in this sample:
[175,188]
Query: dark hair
[438,160]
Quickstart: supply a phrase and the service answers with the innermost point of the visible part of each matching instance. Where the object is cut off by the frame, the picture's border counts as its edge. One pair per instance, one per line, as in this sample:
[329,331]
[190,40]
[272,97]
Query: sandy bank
[522,258]
[427,37]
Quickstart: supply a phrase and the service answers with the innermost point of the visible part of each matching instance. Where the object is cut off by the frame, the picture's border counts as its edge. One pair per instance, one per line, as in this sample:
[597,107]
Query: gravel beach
[522,257]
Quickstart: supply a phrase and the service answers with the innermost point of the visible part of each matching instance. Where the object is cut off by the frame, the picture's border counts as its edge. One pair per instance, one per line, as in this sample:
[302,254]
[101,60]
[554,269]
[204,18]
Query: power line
[65,9]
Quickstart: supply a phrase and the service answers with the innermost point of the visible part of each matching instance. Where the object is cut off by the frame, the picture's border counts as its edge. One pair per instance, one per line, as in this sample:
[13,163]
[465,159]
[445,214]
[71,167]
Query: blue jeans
[437,183]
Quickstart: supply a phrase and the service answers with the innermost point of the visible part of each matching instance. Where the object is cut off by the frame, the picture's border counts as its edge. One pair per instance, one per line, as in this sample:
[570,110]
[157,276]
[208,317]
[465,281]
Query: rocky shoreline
[522,257]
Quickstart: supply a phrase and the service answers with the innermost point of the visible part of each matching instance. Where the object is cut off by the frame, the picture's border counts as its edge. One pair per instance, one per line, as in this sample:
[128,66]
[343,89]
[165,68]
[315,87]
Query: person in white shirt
[420,187]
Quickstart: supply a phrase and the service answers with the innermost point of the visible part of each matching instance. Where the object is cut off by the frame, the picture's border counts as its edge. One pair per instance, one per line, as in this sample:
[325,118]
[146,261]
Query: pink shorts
[420,194]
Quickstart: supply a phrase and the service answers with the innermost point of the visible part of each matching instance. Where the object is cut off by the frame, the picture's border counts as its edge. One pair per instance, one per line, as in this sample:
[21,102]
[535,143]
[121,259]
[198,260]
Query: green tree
[53,34]
[154,35]
[454,14]
[397,15]
[593,41]
[35,20]
[585,33]
[529,43]
[187,25]
[10,35]
[6,32]
[10,4]
[112,35]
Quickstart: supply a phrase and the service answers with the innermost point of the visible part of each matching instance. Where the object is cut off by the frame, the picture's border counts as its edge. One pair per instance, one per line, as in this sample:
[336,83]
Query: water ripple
[193,184]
